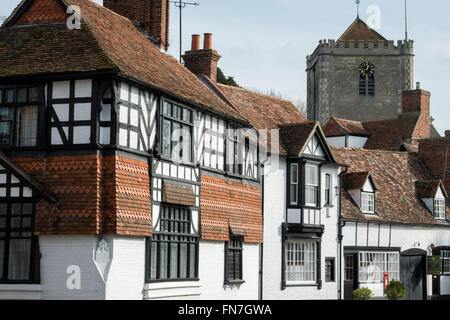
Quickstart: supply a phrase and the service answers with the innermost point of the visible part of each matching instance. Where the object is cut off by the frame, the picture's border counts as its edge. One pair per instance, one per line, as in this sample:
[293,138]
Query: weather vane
[357,7]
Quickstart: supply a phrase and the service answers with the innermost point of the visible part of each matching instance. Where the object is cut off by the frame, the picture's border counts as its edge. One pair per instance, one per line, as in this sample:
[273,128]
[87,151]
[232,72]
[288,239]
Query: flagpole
[406,20]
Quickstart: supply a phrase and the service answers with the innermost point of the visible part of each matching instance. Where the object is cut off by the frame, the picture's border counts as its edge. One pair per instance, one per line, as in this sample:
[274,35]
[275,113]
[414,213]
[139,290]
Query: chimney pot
[447,133]
[195,42]
[207,44]
[417,85]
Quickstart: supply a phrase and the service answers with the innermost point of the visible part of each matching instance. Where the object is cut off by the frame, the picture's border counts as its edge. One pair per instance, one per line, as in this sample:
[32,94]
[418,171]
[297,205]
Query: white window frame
[373,264]
[328,189]
[293,183]
[368,204]
[439,209]
[300,262]
[445,262]
[314,186]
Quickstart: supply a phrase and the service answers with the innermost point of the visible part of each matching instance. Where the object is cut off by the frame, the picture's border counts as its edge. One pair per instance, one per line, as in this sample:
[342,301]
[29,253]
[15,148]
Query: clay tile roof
[175,193]
[395,174]
[262,111]
[359,30]
[106,41]
[355,180]
[389,134]
[428,189]
[339,127]
[293,137]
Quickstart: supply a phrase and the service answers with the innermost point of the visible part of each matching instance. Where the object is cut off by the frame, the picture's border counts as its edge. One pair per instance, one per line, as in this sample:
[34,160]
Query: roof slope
[359,30]
[262,111]
[387,134]
[395,174]
[106,40]
[293,137]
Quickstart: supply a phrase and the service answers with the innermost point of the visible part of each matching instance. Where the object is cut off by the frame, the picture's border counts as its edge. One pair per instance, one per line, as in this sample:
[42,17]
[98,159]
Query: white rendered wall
[211,273]
[337,142]
[356,142]
[274,216]
[60,252]
[126,275]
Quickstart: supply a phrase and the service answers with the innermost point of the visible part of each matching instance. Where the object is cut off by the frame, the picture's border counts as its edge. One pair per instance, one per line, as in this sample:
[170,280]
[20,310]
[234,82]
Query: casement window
[301,261]
[439,209]
[177,129]
[173,250]
[368,202]
[233,260]
[19,116]
[372,266]
[445,262]
[330,270]
[234,156]
[328,193]
[293,184]
[311,185]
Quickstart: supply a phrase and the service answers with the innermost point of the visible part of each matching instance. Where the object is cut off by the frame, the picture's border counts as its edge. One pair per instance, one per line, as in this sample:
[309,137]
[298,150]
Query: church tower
[360,77]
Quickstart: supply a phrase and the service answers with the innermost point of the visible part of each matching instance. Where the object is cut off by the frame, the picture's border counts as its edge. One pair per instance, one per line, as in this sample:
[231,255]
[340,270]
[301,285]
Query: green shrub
[395,290]
[362,294]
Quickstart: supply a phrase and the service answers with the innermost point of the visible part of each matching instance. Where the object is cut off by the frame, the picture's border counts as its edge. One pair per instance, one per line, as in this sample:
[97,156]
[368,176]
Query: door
[350,275]
[413,276]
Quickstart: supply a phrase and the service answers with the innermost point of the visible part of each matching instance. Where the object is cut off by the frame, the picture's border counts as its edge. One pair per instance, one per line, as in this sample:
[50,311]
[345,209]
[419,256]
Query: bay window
[19,116]
[311,185]
[301,261]
[294,184]
[368,202]
[328,189]
[177,124]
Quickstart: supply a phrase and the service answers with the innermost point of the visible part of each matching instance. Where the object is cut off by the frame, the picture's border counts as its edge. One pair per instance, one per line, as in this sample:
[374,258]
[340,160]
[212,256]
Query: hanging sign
[434,265]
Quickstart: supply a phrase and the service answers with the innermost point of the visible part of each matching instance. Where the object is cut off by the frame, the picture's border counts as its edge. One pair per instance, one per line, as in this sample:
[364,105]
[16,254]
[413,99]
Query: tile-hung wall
[71,112]
[137,117]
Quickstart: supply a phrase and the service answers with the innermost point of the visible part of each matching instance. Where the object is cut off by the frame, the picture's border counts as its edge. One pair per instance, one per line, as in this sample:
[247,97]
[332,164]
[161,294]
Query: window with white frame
[439,208]
[293,184]
[445,262]
[328,189]
[311,185]
[368,202]
[373,265]
[301,261]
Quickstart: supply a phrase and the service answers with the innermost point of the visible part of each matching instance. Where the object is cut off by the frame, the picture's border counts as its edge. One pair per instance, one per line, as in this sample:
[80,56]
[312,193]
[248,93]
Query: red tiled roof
[395,174]
[106,41]
[428,189]
[293,137]
[354,180]
[387,134]
[359,30]
[178,194]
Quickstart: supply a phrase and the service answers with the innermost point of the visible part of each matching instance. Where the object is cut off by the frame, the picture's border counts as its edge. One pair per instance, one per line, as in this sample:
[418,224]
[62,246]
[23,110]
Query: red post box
[386,280]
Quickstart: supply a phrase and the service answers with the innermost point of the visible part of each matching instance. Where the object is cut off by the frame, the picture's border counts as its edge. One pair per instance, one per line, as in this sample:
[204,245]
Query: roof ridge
[256,92]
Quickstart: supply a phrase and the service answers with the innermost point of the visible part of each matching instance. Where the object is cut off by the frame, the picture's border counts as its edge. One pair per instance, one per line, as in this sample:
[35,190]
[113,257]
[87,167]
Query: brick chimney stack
[202,61]
[152,15]
[419,101]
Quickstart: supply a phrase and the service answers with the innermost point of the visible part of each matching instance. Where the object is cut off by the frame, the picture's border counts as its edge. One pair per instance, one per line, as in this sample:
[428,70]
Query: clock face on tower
[367,69]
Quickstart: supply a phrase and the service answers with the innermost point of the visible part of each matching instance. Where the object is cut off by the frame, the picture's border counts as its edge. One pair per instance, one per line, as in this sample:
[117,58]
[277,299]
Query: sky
[264,43]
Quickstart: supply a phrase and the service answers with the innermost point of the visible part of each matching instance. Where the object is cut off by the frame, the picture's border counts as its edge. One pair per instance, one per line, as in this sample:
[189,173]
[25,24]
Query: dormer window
[439,209]
[368,202]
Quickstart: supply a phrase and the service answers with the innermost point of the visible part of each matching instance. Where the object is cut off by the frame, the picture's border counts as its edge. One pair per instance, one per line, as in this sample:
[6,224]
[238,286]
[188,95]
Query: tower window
[366,79]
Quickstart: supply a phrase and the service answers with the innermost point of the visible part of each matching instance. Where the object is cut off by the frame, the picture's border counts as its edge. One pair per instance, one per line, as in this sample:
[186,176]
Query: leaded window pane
[19,259]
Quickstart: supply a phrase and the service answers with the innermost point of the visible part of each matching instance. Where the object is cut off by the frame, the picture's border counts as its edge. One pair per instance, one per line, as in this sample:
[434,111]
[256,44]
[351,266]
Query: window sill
[302,284]
[234,282]
[20,291]
[172,280]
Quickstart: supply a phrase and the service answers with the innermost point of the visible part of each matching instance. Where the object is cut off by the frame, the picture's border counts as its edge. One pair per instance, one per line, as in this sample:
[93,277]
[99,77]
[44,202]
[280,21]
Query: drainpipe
[341,224]
[261,246]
